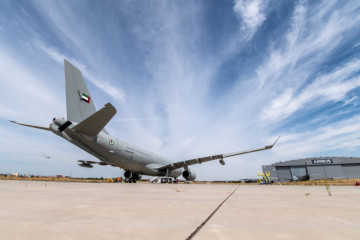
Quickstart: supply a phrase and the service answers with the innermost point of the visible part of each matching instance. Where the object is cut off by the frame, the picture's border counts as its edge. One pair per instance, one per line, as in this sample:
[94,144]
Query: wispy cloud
[22,94]
[105,86]
[344,134]
[138,119]
[333,87]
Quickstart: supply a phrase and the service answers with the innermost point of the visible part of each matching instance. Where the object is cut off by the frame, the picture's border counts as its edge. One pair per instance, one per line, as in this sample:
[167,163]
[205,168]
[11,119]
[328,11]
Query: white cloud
[344,134]
[297,24]
[24,94]
[329,87]
[105,86]
[251,13]
[314,34]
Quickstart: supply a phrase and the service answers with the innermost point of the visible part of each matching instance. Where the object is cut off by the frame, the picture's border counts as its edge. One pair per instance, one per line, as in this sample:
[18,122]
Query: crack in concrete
[210,216]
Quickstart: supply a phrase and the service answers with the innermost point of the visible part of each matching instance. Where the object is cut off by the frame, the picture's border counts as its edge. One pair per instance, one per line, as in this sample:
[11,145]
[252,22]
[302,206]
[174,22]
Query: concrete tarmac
[59,210]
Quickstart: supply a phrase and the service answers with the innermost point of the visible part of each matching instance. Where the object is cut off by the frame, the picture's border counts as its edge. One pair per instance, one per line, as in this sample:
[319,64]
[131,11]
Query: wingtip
[276,141]
[271,146]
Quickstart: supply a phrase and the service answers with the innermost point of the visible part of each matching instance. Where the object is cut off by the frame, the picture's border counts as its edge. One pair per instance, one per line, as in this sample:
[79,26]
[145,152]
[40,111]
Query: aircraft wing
[33,126]
[186,163]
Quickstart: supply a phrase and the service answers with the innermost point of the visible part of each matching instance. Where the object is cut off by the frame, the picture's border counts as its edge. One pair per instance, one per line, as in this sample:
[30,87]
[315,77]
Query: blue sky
[188,78]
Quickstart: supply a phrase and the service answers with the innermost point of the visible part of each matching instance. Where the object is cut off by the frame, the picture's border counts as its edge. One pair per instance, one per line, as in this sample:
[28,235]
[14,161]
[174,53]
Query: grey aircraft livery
[84,127]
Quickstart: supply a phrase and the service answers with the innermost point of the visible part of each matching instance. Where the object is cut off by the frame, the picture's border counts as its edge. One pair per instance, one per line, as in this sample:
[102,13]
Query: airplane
[85,128]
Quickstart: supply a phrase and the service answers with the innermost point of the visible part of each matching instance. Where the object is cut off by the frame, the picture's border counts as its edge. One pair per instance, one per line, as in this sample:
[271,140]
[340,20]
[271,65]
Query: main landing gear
[131,177]
[130,180]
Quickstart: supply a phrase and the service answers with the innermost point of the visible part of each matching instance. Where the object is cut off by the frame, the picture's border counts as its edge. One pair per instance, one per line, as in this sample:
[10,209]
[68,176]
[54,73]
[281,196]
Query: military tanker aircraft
[84,127]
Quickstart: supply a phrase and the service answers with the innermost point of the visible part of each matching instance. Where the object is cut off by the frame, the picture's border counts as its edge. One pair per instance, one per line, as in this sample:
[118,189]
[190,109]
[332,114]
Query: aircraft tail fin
[97,121]
[79,103]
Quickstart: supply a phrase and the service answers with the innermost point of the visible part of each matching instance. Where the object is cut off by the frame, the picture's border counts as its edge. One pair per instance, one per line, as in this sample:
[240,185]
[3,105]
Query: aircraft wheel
[134,180]
[130,180]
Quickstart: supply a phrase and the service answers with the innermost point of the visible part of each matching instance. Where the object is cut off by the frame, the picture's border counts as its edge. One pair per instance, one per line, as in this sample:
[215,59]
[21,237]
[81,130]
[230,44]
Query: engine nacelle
[128,174]
[87,165]
[189,175]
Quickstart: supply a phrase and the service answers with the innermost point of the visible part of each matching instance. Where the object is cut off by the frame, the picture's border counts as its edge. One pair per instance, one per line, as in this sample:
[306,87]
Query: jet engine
[189,175]
[128,174]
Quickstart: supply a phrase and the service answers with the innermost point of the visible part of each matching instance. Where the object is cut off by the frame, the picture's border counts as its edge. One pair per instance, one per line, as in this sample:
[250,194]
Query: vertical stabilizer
[79,102]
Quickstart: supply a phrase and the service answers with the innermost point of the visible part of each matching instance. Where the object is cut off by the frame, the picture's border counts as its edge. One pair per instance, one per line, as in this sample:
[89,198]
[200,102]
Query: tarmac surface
[59,210]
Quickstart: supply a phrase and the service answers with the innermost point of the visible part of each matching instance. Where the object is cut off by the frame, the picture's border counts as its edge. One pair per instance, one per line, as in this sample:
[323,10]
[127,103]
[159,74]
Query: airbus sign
[322,161]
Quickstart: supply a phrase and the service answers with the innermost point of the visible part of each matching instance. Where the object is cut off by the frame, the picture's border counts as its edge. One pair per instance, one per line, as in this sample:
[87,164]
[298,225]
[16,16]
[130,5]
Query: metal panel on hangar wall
[351,171]
[333,171]
[283,173]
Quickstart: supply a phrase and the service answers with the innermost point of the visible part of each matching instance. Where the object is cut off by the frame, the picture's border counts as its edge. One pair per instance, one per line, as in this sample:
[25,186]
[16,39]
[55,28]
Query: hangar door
[297,172]
[351,171]
[332,171]
[284,174]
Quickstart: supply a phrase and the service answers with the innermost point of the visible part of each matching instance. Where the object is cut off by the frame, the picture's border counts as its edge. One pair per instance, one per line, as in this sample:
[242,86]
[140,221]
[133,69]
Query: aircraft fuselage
[115,152]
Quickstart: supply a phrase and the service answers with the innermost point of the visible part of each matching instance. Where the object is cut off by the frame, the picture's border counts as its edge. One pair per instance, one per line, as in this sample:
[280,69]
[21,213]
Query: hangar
[314,168]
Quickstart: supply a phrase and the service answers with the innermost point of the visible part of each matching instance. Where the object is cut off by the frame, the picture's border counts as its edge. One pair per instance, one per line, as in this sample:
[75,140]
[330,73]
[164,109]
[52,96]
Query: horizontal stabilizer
[97,121]
[33,126]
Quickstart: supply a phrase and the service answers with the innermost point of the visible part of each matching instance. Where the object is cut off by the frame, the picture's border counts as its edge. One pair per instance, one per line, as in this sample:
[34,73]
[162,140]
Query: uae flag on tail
[85,98]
